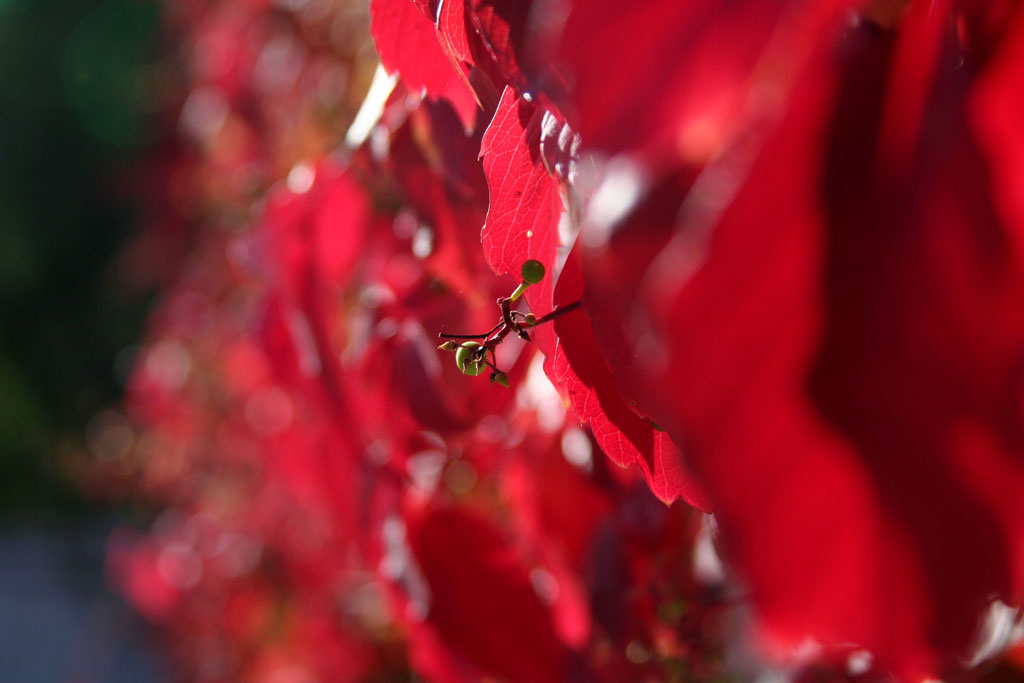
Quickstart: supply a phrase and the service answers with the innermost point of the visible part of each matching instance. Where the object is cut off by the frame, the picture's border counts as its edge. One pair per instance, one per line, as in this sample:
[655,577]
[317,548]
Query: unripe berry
[468,358]
[532,271]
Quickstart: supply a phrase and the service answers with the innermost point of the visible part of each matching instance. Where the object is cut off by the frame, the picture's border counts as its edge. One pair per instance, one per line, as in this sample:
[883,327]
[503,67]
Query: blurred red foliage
[795,229]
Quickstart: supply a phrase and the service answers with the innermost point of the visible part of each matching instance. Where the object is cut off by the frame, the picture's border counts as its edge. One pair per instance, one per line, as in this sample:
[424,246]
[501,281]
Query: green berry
[532,271]
[469,358]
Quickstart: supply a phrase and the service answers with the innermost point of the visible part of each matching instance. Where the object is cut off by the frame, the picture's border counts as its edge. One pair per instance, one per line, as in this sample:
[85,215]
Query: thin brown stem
[558,313]
[442,335]
[485,335]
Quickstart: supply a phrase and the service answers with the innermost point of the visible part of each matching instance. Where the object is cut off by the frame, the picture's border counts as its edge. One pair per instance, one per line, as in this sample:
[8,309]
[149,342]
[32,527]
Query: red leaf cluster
[785,283]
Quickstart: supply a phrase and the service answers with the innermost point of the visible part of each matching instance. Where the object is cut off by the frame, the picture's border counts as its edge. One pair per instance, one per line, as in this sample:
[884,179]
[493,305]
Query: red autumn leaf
[428,7]
[538,483]
[844,369]
[615,271]
[338,229]
[314,238]
[623,435]
[671,80]
[557,508]
[473,574]
[997,108]
[461,42]
[453,33]
[525,205]
[408,44]
[442,180]
[319,231]
[500,25]
[499,43]
[983,25]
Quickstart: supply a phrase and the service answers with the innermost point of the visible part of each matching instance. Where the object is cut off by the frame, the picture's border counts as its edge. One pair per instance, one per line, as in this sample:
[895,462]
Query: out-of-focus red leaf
[314,239]
[446,149]
[982,25]
[408,44]
[557,508]
[913,67]
[997,109]
[843,368]
[624,436]
[538,483]
[133,565]
[448,194]
[670,80]
[317,234]
[794,506]
[614,273]
[525,205]
[339,228]
[473,575]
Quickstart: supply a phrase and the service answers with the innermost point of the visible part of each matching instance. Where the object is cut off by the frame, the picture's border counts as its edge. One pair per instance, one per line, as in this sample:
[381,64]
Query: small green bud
[469,358]
[501,378]
[448,346]
[532,271]
[531,320]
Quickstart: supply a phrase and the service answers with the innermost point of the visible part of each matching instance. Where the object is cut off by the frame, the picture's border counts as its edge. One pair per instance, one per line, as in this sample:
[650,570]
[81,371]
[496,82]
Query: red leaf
[844,368]
[624,436]
[338,229]
[408,44]
[463,43]
[997,108]
[982,26]
[671,79]
[474,575]
[496,42]
[557,503]
[500,25]
[522,217]
[436,165]
[314,237]
[319,231]
[453,32]
[428,7]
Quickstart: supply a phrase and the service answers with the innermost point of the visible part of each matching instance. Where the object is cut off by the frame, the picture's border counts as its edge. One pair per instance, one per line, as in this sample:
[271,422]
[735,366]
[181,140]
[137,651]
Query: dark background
[72,123]
[74,117]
